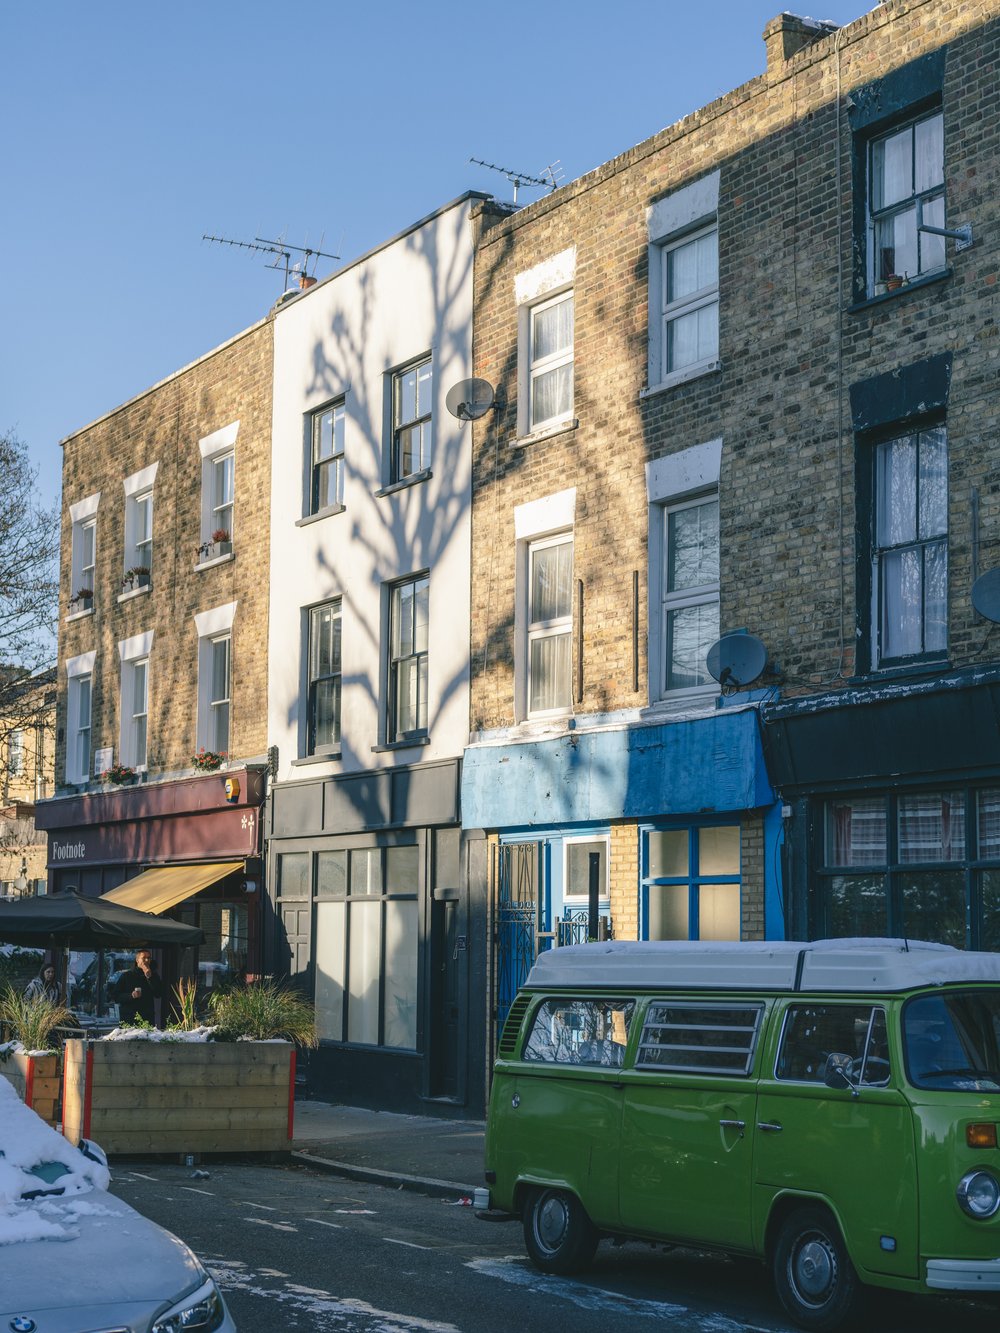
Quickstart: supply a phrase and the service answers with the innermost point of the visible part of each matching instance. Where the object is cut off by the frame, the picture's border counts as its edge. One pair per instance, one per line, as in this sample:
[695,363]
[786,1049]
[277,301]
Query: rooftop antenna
[282,251]
[548,179]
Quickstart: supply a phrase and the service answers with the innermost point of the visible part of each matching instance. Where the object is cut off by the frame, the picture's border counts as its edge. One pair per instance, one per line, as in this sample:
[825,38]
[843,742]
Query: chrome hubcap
[814,1269]
[550,1222]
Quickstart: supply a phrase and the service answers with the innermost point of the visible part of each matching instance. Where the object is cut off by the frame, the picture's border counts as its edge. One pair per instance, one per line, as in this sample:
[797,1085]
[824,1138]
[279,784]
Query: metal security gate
[515,880]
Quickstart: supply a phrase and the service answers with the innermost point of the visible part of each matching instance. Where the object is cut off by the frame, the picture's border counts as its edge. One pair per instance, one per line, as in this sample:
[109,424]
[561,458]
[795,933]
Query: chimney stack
[305,282]
[788,34]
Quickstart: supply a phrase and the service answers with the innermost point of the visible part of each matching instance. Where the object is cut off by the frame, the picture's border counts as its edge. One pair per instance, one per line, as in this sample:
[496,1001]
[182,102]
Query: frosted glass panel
[362,1013]
[668,911]
[719,850]
[668,853]
[330,923]
[719,912]
[401,974]
[402,869]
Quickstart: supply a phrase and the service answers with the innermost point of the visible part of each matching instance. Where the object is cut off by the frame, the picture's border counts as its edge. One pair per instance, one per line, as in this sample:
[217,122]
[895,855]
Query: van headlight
[979,1194]
[202,1310]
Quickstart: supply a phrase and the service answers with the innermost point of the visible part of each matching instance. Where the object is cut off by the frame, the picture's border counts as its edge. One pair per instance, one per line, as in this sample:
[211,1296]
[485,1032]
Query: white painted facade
[342,339]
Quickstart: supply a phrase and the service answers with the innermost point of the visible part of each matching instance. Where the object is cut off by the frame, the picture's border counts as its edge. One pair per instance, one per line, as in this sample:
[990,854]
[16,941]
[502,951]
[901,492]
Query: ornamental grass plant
[263,1011]
[31,1022]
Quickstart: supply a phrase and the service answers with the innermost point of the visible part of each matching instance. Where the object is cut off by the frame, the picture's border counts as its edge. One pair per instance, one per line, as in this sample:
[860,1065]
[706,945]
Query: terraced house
[727,675]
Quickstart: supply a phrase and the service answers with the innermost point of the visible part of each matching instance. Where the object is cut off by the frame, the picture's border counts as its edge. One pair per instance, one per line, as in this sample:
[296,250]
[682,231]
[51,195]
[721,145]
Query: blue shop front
[670,825]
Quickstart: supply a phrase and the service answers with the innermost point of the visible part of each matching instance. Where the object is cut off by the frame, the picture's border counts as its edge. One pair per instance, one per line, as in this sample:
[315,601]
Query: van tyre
[558,1234]
[813,1276]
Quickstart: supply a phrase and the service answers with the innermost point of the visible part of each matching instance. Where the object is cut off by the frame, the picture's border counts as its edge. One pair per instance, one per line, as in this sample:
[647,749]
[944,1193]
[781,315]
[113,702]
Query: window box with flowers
[220,545]
[136,577]
[82,600]
[119,775]
[208,761]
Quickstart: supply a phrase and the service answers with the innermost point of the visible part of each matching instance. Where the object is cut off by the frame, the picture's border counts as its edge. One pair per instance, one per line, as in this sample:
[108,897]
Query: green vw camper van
[830,1109]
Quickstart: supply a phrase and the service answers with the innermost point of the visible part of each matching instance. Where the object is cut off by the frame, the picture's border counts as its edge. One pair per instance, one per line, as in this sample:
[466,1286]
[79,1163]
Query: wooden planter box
[179,1097]
[36,1081]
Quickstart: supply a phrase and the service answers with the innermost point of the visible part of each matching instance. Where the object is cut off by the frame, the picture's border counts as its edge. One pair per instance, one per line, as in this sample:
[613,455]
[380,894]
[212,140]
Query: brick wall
[164,425]
[789,349]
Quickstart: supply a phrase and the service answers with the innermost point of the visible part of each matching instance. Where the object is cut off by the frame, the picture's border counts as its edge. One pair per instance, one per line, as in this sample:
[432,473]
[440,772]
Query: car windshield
[952,1041]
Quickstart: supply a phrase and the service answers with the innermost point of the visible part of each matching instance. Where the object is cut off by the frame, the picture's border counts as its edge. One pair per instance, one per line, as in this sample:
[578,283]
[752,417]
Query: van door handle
[738,1125]
[770,1126]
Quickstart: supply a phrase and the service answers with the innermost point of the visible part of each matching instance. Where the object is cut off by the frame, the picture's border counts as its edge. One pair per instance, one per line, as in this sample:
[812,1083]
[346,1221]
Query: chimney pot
[305,282]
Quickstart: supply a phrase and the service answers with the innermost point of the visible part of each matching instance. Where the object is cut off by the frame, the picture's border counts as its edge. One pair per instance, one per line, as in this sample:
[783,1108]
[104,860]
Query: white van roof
[783,965]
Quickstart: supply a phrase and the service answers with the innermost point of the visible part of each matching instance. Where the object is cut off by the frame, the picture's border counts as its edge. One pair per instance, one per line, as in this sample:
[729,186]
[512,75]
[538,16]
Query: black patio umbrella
[73,920]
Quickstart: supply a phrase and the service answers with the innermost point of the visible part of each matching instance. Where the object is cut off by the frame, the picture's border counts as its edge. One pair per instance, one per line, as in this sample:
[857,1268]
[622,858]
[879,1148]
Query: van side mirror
[837,1072]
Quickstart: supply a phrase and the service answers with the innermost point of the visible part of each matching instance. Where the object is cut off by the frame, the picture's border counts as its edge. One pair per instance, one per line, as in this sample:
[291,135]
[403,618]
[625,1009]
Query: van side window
[580,1032]
[700,1038]
[815,1031]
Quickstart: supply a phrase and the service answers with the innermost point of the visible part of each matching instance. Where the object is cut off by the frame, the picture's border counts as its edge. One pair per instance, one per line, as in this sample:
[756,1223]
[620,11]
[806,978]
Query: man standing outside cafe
[137,991]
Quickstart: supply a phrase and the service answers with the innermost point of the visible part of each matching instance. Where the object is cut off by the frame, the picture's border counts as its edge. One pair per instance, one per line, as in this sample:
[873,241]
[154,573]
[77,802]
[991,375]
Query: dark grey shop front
[377,908]
[892,799]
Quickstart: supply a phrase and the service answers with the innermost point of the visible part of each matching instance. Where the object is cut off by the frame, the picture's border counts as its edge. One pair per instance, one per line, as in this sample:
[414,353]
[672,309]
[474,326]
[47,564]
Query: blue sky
[129,129]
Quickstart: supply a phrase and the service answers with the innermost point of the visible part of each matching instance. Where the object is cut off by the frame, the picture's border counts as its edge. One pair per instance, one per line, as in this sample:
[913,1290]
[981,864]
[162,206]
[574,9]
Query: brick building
[27,753]
[162,686]
[745,383]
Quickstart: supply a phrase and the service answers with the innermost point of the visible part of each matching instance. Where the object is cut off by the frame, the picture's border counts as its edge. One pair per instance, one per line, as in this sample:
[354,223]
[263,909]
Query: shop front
[190,849]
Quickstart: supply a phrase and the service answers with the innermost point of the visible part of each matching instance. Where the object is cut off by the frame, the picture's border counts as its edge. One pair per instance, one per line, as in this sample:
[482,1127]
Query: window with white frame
[906,191]
[323,707]
[327,429]
[683,283]
[83,549]
[79,696]
[550,369]
[412,405]
[910,548]
[139,519]
[213,722]
[550,624]
[689,620]
[133,744]
[15,753]
[683,494]
[218,491]
[409,607]
[690,302]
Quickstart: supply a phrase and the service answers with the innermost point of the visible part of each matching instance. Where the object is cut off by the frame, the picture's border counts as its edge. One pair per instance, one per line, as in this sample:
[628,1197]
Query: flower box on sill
[208,761]
[120,775]
[136,577]
[213,550]
[81,601]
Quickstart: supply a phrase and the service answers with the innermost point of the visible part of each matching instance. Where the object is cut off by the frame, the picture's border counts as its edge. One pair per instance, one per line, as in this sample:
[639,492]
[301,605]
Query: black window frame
[317,466]
[313,679]
[403,429]
[395,735]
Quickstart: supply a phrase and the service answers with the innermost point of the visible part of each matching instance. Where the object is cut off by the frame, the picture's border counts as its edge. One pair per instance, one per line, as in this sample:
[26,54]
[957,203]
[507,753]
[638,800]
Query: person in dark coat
[137,991]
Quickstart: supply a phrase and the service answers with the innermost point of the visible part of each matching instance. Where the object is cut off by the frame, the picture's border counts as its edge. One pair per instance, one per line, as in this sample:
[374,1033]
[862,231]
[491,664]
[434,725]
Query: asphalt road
[295,1250]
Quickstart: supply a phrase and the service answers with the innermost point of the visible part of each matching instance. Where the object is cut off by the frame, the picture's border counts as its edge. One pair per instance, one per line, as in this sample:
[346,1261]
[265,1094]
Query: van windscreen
[952,1041]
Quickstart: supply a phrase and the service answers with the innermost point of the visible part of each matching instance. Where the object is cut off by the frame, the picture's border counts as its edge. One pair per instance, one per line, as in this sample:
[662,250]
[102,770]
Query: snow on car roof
[829,965]
[26,1141]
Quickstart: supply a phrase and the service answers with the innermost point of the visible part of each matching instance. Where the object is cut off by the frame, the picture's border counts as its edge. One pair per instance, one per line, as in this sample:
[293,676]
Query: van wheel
[558,1234]
[814,1278]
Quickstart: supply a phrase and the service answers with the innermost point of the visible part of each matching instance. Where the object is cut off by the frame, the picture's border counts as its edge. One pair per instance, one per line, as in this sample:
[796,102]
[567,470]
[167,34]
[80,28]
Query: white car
[75,1259]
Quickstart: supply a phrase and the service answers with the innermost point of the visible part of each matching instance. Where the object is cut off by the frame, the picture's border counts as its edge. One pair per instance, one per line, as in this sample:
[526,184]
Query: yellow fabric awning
[158,890]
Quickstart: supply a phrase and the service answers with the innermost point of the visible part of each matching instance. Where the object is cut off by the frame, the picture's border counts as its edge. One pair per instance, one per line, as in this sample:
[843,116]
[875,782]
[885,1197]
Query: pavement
[421,1153]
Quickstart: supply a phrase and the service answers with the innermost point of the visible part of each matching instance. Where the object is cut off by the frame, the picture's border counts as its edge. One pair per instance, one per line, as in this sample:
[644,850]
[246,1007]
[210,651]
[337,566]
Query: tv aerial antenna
[282,252]
[547,179]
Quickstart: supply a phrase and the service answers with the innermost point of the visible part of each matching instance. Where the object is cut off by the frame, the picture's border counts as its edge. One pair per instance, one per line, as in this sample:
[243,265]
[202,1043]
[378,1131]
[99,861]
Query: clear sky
[131,127]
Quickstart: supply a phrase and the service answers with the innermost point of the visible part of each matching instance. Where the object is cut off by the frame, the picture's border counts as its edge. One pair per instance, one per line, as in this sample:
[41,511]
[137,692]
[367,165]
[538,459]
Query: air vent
[511,1028]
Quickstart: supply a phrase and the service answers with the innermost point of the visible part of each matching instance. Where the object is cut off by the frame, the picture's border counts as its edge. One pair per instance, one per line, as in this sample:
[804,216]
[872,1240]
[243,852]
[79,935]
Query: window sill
[135,592]
[215,560]
[928,280]
[401,745]
[680,377]
[323,758]
[414,479]
[79,615]
[328,512]
[546,433]
[919,667]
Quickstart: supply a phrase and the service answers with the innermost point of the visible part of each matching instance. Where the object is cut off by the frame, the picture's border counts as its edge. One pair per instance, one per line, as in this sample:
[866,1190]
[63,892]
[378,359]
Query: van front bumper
[964,1274]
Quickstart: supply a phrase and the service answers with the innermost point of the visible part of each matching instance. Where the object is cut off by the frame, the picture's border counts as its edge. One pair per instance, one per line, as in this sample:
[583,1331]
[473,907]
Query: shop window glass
[668,852]
[400,973]
[719,850]
[293,875]
[719,912]
[989,823]
[933,906]
[669,912]
[932,827]
[402,869]
[857,906]
[366,871]
[330,968]
[856,832]
[365,944]
[331,874]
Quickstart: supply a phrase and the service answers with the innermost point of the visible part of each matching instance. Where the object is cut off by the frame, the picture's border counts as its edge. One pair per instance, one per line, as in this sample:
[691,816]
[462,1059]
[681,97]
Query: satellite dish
[469,399]
[737,659]
[986,594]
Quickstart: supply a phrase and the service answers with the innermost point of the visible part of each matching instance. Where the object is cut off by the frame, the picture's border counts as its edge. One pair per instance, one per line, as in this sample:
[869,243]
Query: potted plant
[223,541]
[119,775]
[207,761]
[893,282]
[136,577]
[83,599]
